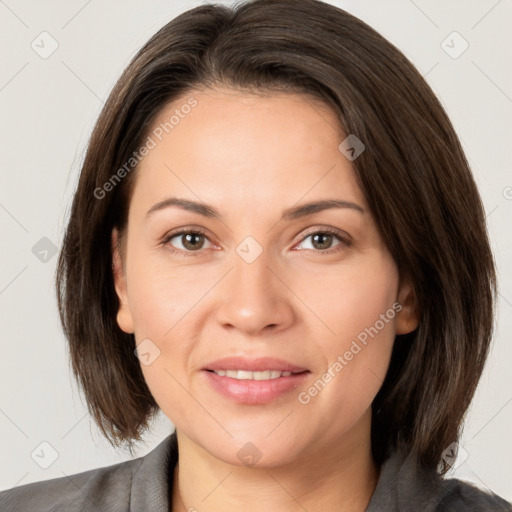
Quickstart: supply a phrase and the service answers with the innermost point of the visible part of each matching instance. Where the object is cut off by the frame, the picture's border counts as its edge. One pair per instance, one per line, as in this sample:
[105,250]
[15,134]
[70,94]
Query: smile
[248,375]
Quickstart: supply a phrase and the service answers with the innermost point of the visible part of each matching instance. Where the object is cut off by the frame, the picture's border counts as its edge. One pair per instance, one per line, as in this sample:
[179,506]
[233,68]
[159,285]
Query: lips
[254,381]
[260,364]
[246,375]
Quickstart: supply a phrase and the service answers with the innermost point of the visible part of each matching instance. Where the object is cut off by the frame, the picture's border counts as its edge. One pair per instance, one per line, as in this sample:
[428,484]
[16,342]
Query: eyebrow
[296,212]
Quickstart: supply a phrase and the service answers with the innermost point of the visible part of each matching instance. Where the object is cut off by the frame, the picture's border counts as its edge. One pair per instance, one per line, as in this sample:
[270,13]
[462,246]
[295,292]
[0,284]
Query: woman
[276,240]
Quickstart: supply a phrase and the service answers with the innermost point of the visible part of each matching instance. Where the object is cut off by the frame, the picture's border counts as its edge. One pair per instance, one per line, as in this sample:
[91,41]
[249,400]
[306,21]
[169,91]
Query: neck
[337,480]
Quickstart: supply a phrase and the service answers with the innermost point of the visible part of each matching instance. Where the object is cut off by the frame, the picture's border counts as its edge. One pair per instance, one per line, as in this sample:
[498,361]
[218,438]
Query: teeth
[245,375]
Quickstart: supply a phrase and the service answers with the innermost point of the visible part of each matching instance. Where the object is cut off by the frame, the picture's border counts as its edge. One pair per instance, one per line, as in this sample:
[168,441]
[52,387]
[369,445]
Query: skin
[251,157]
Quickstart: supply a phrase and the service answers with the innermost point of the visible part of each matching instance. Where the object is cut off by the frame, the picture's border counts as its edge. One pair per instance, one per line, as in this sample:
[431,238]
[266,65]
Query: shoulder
[405,487]
[455,495]
[114,488]
[81,491]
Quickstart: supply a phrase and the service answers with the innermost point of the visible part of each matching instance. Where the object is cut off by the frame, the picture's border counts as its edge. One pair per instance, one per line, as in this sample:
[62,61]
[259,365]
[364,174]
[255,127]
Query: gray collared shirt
[144,484]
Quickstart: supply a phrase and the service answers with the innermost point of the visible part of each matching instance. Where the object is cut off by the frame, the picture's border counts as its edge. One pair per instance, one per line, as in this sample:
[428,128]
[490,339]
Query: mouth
[258,375]
[254,381]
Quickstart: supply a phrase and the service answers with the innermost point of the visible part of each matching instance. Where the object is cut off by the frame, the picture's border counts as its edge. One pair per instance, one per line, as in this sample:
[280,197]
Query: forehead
[244,149]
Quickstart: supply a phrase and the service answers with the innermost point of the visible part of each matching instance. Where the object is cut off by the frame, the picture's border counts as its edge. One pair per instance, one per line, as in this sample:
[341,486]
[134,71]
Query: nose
[254,298]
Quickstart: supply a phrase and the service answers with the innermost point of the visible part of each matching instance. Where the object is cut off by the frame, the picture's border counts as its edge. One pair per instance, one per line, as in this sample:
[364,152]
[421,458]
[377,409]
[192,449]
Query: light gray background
[48,107]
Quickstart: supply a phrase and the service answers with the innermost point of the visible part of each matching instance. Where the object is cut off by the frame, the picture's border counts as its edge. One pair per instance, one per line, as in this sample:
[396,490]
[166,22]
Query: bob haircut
[413,174]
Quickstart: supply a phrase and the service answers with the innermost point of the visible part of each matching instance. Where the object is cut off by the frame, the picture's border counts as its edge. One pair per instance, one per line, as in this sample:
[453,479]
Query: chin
[253,448]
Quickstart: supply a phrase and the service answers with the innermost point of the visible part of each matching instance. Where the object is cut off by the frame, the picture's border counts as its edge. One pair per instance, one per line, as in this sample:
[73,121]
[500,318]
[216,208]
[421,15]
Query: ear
[407,319]
[124,314]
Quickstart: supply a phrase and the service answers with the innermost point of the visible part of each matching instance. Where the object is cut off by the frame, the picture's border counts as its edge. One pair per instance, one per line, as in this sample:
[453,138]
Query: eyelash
[344,241]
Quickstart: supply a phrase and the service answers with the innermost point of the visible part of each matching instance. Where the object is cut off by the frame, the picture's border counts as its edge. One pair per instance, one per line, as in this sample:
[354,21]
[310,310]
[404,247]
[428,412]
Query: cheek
[359,307]
[166,386]
[157,313]
[160,302]
[158,295]
[351,298]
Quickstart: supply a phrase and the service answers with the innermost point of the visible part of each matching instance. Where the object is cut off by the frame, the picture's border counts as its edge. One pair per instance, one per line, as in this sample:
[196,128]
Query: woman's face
[312,293]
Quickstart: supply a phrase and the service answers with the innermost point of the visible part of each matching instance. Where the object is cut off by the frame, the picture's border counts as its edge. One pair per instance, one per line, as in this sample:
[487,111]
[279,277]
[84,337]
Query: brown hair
[413,173]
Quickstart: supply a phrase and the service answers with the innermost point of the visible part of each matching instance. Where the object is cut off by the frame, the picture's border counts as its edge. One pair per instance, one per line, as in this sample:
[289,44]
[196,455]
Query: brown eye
[322,241]
[186,241]
[192,241]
